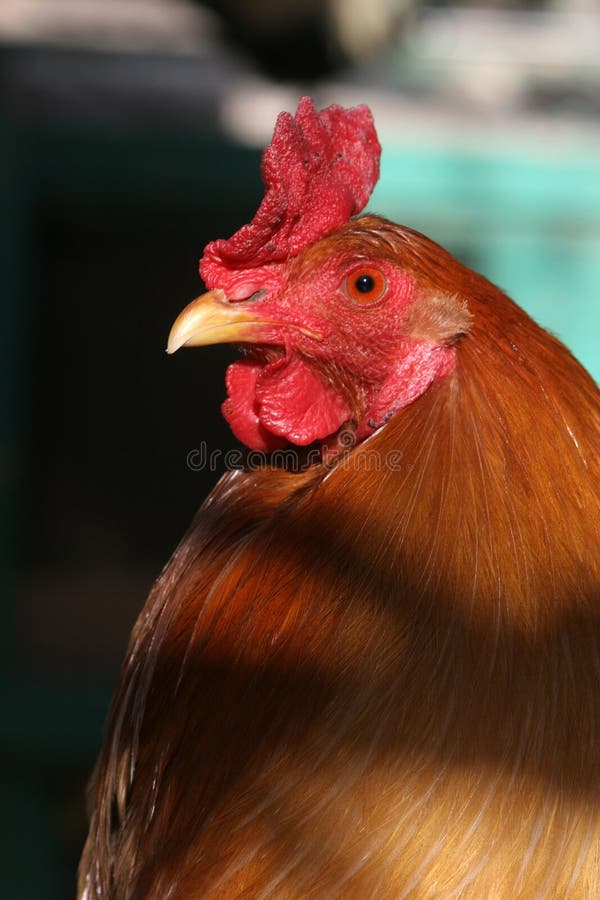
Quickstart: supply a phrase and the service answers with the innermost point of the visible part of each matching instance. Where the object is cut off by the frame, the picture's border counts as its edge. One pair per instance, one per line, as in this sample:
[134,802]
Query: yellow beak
[212,319]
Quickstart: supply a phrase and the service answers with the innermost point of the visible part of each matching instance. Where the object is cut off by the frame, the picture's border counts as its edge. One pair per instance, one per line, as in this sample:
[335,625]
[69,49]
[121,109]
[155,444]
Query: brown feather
[380,678]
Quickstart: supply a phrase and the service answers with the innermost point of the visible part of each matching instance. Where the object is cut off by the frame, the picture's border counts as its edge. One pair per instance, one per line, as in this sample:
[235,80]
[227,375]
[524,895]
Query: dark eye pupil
[364,284]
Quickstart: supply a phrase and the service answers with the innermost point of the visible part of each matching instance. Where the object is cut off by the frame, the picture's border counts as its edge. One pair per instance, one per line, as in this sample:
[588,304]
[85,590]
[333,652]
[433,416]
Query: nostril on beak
[256,295]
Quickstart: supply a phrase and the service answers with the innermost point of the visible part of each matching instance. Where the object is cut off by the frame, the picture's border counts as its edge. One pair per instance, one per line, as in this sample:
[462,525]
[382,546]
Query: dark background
[130,136]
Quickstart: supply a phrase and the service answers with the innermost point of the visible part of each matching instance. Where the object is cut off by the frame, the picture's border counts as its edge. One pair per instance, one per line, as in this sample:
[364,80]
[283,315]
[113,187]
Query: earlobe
[422,362]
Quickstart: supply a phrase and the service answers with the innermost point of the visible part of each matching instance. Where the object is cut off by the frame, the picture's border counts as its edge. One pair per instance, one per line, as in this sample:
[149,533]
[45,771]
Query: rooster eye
[365,285]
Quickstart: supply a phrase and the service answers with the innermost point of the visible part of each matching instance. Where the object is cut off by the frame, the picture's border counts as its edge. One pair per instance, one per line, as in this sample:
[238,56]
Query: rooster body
[378,676]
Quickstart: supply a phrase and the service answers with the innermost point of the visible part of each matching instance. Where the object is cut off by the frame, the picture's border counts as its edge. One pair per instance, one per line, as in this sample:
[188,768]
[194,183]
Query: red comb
[318,171]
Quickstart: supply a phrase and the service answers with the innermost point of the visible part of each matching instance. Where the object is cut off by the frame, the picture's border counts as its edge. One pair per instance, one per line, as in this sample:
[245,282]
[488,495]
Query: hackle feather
[380,677]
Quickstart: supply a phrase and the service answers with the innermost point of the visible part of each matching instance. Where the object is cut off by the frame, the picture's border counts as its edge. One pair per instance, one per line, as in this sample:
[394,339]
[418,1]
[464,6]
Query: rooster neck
[488,486]
[341,668]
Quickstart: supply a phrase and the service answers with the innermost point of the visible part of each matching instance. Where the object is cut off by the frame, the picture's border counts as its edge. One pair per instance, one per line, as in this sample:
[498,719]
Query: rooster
[376,674]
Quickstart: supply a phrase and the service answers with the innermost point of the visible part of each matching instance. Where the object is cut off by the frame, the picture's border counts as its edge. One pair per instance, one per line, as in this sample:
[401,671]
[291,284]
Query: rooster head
[331,316]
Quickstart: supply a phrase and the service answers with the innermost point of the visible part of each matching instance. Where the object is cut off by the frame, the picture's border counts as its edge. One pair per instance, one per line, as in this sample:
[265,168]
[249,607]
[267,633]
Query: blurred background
[130,135]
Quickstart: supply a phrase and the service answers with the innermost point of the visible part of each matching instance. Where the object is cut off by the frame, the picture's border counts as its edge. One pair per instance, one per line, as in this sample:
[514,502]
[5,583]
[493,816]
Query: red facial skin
[341,361]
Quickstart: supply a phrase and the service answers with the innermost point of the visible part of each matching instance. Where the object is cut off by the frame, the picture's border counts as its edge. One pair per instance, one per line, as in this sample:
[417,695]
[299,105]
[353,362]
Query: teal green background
[530,222]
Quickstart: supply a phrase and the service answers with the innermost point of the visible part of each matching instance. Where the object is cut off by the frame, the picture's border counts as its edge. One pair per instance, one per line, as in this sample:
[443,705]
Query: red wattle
[241,409]
[269,406]
[296,403]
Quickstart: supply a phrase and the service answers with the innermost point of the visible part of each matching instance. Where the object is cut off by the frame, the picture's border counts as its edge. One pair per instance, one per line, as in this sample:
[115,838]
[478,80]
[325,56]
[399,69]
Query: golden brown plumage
[380,677]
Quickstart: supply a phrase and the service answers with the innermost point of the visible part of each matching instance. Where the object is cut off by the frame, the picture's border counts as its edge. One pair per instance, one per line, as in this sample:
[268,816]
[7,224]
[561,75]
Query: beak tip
[212,319]
[175,342]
